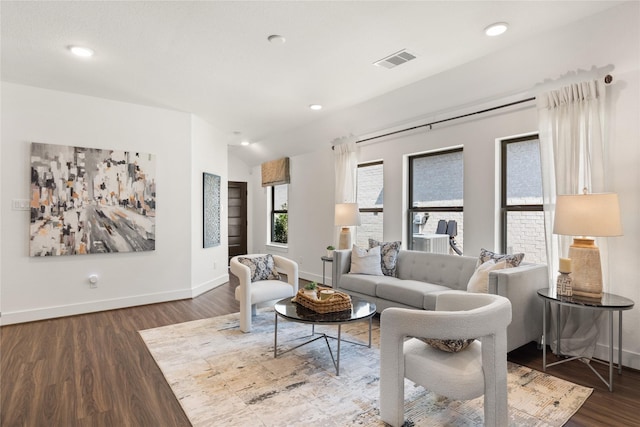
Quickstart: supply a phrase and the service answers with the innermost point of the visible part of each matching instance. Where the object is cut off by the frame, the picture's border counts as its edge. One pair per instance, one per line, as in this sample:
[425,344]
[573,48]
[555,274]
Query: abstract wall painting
[89,200]
[211,207]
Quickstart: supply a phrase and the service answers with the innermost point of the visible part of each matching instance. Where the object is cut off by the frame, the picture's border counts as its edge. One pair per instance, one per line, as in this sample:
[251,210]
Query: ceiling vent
[395,59]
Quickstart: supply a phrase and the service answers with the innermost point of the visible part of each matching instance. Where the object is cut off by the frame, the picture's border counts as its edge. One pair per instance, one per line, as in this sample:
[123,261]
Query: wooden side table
[608,303]
[326,259]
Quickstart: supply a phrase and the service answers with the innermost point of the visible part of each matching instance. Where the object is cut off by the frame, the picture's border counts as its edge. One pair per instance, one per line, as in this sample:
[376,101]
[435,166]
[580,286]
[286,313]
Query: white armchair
[249,294]
[479,369]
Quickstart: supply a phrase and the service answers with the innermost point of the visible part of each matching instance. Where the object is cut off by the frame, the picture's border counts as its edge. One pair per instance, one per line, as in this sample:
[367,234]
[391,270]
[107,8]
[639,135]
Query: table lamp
[346,215]
[582,215]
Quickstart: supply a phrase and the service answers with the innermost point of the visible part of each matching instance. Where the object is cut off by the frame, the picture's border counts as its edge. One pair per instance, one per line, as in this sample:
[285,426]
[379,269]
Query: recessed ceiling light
[245,143]
[496,29]
[276,39]
[315,107]
[83,52]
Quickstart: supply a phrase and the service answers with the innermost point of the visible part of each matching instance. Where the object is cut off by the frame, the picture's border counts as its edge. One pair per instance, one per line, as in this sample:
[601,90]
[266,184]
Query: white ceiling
[212,58]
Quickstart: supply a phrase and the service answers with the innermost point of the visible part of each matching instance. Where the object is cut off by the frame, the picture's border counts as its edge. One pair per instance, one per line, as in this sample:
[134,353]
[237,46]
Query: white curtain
[346,167]
[573,156]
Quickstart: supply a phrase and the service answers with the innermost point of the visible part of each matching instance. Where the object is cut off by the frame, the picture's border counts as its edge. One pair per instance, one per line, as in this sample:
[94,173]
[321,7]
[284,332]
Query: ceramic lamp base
[345,238]
[586,268]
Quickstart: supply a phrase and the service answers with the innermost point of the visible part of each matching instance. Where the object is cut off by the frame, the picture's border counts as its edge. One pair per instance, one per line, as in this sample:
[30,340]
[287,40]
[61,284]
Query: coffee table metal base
[336,360]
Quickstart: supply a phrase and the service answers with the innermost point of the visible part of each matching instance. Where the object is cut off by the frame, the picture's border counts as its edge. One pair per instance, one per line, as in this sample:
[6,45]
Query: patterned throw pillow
[262,267]
[450,346]
[389,256]
[513,260]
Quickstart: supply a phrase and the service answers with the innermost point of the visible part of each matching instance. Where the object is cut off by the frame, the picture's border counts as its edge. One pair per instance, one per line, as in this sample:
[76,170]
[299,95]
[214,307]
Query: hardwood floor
[94,370]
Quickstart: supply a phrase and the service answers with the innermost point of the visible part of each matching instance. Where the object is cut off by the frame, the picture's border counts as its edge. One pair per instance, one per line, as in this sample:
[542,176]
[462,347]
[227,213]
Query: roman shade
[276,172]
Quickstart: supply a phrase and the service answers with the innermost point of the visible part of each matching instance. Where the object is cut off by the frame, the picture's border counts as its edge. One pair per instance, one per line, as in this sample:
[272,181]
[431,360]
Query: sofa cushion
[365,284]
[360,283]
[409,292]
[430,299]
[388,254]
[448,270]
[479,282]
[365,261]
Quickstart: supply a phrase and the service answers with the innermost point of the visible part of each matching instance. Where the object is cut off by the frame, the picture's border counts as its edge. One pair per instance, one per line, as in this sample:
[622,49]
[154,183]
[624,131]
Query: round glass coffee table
[287,309]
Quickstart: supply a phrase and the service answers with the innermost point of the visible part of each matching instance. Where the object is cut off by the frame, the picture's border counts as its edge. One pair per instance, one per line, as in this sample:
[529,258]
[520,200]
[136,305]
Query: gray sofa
[421,276]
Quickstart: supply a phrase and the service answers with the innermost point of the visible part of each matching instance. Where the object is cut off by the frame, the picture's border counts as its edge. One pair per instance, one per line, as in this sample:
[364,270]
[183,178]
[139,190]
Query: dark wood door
[237,218]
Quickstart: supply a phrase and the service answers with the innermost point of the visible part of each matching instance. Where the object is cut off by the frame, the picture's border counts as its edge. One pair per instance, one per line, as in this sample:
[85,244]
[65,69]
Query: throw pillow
[365,261]
[262,267]
[479,281]
[450,346]
[513,260]
[389,255]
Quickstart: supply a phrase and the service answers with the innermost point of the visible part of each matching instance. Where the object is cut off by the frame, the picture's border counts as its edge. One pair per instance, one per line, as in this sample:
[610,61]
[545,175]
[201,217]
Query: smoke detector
[395,59]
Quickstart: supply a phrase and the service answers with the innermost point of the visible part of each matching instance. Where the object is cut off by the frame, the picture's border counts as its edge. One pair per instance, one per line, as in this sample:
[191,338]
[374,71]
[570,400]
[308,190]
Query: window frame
[504,207]
[364,165]
[376,210]
[413,210]
[274,213]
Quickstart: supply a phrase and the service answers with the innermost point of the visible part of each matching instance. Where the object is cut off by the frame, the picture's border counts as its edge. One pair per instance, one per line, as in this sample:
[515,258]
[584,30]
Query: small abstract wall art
[90,200]
[211,207]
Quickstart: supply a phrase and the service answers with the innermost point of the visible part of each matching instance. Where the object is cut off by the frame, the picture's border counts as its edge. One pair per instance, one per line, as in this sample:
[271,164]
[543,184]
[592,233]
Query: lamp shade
[347,214]
[596,215]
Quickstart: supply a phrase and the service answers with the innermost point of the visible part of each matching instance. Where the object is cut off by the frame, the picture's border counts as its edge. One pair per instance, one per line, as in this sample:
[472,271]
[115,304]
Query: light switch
[20,204]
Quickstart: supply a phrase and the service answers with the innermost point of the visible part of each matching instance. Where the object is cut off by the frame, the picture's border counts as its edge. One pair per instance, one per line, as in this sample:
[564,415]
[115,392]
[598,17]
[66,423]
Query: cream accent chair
[250,294]
[479,369]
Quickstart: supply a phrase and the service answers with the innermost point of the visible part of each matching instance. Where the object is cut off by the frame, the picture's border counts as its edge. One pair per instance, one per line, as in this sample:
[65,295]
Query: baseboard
[312,277]
[630,359]
[23,316]
[208,285]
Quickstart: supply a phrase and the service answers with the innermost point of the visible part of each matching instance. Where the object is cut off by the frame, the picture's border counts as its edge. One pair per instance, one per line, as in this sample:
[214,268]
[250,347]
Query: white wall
[610,41]
[238,170]
[37,288]
[208,265]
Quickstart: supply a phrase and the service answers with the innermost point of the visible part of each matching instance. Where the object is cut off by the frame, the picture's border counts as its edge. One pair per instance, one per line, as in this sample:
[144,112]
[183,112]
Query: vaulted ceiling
[213,58]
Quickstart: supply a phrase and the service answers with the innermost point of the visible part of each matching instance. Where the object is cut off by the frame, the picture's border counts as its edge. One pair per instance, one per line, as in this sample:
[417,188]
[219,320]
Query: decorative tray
[338,301]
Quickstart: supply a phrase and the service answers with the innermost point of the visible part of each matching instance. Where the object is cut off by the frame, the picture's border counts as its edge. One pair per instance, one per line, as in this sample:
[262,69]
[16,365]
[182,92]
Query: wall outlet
[93,281]
[20,204]
[215,265]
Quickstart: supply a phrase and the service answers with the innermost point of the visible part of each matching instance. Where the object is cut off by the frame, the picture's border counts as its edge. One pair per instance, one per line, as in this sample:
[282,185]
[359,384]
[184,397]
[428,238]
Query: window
[369,197]
[522,217]
[279,214]
[435,193]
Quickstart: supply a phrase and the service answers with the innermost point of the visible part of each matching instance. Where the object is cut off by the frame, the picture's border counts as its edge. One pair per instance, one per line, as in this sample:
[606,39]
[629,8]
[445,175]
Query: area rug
[223,377]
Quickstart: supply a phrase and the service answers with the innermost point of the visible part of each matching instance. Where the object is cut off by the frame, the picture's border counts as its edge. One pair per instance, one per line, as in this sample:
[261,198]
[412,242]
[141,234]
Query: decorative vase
[329,253]
[563,286]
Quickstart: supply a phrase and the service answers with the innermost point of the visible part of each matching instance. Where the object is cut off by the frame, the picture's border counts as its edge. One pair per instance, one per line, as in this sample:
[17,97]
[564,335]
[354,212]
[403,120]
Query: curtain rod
[607,79]
[441,121]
